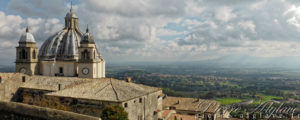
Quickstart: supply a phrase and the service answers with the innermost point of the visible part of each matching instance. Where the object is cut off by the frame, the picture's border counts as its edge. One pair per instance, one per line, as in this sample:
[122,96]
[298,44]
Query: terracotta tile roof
[106,89]
[191,104]
[182,117]
[167,113]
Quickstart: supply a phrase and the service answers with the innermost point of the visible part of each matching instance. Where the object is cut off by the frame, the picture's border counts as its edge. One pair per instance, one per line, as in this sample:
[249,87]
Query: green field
[228,101]
[265,98]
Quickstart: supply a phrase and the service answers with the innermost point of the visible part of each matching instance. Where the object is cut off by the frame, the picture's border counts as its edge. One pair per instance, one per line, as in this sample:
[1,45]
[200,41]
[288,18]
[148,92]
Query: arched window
[125,105]
[69,24]
[23,54]
[20,55]
[85,54]
[26,55]
[33,54]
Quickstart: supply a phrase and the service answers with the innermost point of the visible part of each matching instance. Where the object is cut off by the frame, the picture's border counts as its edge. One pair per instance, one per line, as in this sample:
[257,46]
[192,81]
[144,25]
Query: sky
[163,30]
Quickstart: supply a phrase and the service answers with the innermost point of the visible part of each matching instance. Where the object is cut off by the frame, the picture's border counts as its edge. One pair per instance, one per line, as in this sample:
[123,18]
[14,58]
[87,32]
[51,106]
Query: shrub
[114,112]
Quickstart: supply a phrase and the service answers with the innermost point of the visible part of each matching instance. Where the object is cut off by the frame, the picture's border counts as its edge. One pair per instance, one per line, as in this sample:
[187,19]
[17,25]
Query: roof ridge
[114,89]
[207,107]
[202,103]
[101,89]
[198,106]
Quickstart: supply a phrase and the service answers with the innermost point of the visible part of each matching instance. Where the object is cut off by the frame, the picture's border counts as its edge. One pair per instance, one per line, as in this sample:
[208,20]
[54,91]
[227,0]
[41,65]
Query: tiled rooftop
[51,83]
[191,104]
[106,89]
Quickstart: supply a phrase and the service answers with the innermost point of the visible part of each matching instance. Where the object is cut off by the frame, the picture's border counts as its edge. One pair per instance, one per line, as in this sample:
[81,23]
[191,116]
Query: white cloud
[130,30]
[247,25]
[294,13]
[166,32]
[37,8]
[224,14]
[259,5]
[193,9]
[13,26]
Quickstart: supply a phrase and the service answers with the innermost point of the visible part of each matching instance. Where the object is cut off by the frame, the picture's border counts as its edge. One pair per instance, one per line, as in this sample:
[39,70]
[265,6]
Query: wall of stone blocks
[136,109]
[82,106]
[144,110]
[19,111]
[10,82]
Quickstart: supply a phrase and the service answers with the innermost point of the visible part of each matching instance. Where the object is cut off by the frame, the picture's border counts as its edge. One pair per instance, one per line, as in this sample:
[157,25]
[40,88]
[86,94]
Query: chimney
[128,79]
[178,102]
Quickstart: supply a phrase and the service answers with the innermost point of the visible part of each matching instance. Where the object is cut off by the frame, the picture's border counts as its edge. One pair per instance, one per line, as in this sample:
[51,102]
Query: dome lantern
[71,19]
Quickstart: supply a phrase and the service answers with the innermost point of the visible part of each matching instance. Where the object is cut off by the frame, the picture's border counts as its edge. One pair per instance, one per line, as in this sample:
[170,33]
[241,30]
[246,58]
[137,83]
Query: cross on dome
[71,9]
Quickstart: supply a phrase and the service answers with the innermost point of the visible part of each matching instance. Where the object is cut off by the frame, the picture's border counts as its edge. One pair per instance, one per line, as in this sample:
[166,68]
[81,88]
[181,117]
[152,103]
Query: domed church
[69,52]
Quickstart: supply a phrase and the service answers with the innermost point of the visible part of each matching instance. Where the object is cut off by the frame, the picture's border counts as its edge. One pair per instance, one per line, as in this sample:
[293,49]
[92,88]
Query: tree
[114,112]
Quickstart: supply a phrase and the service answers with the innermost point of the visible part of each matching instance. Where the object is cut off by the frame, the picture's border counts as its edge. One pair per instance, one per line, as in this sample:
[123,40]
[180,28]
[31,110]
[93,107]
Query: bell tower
[90,64]
[26,54]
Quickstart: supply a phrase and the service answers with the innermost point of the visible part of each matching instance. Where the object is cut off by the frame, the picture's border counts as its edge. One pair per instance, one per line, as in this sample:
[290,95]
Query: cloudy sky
[162,30]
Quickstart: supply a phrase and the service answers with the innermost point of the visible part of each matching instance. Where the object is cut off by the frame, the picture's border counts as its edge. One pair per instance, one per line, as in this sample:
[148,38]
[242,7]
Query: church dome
[64,44]
[27,37]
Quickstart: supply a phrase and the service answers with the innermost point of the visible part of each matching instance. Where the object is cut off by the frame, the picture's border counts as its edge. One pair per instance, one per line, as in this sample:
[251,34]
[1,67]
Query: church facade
[69,53]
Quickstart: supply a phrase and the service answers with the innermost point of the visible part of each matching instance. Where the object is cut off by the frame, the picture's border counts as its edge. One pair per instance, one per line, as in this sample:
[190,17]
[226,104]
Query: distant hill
[254,62]
[231,61]
[7,68]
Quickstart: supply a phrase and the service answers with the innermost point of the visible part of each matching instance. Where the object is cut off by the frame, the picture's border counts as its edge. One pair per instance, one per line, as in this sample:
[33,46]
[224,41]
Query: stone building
[190,107]
[82,95]
[68,52]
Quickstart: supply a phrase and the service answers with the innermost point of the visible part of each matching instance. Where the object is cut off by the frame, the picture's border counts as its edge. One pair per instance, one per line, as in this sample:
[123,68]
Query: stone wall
[19,111]
[137,109]
[144,107]
[32,90]
[50,68]
[82,106]
[10,82]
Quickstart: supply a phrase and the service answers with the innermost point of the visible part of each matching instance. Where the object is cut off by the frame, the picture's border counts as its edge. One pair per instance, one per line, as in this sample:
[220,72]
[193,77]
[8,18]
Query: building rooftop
[182,117]
[106,89]
[103,89]
[166,114]
[191,104]
[27,37]
[52,83]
